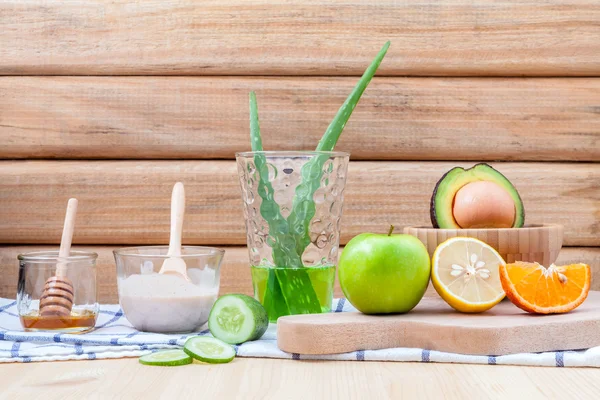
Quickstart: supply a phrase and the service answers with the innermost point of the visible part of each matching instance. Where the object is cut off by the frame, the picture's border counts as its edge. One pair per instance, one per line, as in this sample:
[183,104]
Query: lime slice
[168,358]
[209,350]
[237,318]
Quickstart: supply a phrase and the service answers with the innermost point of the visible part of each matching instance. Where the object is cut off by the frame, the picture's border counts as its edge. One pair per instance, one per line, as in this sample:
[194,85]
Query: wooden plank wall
[112,102]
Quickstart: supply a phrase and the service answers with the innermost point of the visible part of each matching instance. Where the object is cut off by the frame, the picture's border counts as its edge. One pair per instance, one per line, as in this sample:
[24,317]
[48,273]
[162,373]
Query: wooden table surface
[247,378]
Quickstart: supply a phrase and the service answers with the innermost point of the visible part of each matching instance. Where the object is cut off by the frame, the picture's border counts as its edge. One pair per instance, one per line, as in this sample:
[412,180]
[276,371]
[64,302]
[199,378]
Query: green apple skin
[384,274]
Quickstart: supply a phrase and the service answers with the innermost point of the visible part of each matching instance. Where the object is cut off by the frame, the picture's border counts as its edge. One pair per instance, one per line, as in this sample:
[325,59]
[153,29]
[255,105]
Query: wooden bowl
[533,243]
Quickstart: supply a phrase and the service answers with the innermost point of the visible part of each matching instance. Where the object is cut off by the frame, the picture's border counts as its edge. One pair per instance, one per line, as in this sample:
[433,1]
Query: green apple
[382,274]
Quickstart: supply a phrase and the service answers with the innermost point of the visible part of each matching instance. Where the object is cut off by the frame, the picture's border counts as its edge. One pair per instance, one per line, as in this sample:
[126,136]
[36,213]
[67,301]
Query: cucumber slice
[168,358]
[237,318]
[209,350]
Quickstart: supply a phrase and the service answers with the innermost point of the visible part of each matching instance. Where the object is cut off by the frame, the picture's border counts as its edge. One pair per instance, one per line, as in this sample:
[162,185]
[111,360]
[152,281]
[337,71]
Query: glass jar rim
[201,251]
[52,256]
[293,153]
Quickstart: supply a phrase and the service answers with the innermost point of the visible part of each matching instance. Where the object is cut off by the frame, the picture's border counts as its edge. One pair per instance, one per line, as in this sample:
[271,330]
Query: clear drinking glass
[293,208]
[36,268]
[164,303]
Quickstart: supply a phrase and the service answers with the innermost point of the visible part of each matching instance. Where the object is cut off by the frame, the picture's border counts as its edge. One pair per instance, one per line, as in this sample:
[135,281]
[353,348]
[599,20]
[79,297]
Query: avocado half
[442,200]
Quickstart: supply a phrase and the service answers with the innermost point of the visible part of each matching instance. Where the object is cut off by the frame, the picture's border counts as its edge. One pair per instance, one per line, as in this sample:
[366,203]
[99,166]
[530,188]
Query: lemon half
[466,274]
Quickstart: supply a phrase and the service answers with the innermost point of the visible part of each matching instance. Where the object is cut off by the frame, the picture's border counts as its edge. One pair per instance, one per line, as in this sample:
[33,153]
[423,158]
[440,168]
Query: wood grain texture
[257,379]
[196,118]
[434,325]
[315,37]
[540,244]
[235,271]
[128,201]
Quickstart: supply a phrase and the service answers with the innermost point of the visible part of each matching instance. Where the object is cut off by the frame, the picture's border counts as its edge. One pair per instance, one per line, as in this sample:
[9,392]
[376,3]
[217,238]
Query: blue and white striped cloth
[114,337]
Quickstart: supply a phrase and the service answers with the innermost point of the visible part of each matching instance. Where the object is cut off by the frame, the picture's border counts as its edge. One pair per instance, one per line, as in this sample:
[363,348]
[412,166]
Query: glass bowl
[162,303]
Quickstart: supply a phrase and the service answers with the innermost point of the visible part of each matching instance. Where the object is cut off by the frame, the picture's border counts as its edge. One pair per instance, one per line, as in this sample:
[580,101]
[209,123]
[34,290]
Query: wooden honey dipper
[57,298]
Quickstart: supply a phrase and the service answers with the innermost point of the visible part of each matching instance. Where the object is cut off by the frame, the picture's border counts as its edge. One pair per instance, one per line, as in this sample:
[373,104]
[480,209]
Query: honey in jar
[76,322]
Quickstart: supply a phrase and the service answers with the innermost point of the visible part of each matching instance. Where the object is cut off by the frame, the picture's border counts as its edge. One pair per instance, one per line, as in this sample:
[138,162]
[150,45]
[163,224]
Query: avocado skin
[520,210]
[432,212]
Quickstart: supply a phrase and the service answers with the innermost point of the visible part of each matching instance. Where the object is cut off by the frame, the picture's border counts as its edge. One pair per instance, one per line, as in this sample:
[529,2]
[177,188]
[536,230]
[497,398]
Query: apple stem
[391,230]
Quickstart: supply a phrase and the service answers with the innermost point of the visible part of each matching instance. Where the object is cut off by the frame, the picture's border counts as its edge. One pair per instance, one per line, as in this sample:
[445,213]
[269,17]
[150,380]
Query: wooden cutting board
[433,325]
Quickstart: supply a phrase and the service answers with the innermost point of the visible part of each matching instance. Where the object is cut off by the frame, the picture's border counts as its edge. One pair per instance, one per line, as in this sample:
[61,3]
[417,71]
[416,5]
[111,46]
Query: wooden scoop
[175,264]
[57,298]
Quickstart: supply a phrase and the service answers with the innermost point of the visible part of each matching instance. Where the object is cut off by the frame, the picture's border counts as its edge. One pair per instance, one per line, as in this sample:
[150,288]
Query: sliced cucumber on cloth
[237,318]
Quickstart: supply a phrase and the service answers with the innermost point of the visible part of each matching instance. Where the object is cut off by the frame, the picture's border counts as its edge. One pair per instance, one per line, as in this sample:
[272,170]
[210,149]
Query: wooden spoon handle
[177,211]
[67,236]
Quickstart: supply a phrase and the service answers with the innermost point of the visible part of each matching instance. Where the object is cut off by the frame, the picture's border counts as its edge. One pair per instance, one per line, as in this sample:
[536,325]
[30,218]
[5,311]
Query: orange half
[537,289]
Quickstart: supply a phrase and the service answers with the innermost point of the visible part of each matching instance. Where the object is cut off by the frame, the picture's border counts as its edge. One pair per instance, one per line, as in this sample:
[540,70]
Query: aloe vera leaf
[303,207]
[298,293]
[298,290]
[335,128]
[273,299]
[295,283]
[255,139]
[269,209]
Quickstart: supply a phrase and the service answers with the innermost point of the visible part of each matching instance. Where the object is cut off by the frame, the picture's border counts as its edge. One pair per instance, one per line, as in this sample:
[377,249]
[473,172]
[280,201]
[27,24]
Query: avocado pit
[483,204]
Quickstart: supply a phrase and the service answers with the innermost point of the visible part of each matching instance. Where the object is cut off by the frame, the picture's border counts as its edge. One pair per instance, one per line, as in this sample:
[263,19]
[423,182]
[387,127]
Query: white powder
[168,303]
